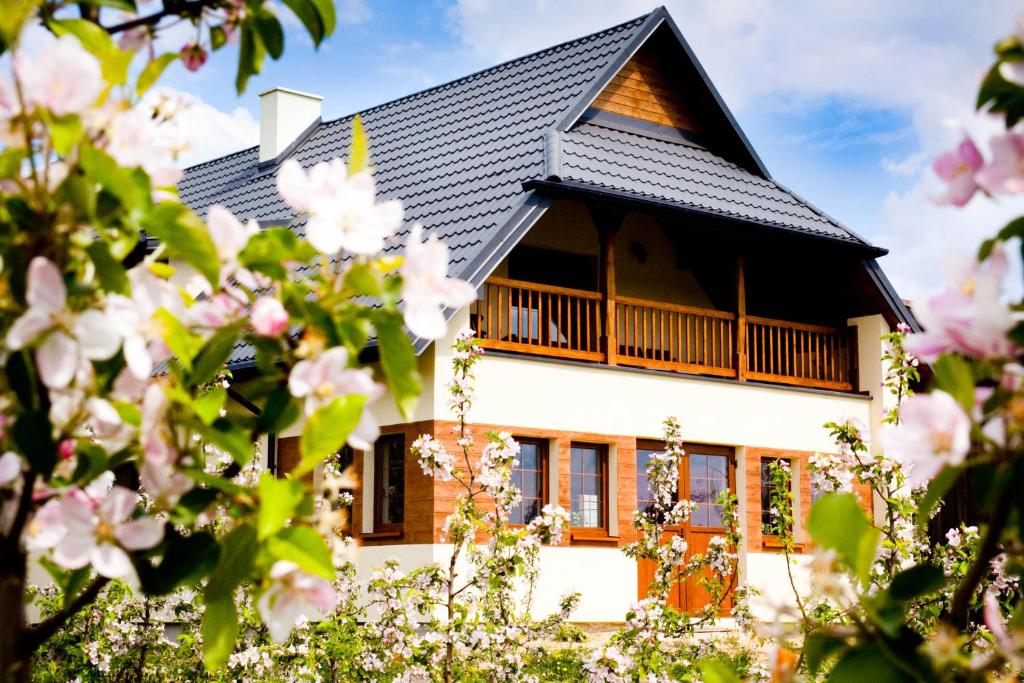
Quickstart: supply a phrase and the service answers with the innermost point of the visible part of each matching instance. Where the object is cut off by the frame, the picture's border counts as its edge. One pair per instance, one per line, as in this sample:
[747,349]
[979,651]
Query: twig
[41,632]
[186,8]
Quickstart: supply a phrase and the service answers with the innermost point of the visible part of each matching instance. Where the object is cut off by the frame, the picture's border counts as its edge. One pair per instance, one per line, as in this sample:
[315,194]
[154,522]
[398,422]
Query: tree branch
[188,8]
[41,632]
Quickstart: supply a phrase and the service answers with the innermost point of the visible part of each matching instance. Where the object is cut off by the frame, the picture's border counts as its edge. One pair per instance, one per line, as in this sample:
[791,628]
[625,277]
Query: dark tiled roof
[684,173]
[456,155]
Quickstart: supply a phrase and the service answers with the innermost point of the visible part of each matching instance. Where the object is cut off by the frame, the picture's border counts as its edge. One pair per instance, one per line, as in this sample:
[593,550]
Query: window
[709,477]
[588,468]
[530,477]
[389,481]
[644,497]
[768,518]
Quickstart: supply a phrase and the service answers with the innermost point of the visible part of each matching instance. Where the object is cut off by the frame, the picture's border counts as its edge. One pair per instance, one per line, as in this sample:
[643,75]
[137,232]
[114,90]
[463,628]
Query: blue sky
[845,101]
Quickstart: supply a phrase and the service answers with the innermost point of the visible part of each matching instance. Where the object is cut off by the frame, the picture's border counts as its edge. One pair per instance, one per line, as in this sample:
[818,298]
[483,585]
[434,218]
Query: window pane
[528,477]
[587,486]
[390,479]
[528,458]
[767,518]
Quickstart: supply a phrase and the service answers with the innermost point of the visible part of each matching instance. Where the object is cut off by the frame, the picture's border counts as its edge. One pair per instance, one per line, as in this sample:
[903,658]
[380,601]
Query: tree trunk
[15,662]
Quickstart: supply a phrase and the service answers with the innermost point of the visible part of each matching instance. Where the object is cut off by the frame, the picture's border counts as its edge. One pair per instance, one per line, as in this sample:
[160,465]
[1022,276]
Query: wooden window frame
[683,489]
[543,454]
[391,529]
[771,541]
[592,534]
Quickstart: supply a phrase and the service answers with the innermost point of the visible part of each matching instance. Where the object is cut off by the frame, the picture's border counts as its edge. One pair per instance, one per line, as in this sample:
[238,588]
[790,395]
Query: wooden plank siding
[643,90]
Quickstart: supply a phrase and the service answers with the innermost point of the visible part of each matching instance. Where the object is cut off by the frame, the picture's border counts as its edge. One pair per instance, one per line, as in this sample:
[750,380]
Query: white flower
[343,211]
[133,319]
[10,468]
[230,236]
[72,337]
[293,594]
[61,77]
[426,287]
[327,377]
[934,431]
[93,526]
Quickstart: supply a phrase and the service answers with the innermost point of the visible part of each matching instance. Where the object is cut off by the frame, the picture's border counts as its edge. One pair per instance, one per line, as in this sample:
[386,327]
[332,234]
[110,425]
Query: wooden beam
[607,222]
[741,319]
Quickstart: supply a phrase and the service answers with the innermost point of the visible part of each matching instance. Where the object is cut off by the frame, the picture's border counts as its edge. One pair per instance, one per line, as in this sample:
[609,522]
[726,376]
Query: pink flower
[343,211]
[1005,173]
[426,287]
[269,317]
[328,377]
[62,77]
[957,167]
[164,483]
[934,431]
[10,468]
[193,56]
[970,316]
[134,39]
[94,527]
[133,319]
[72,337]
[293,595]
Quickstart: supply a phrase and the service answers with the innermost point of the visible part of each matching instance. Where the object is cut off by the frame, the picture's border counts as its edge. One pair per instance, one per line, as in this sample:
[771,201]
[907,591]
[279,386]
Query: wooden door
[703,473]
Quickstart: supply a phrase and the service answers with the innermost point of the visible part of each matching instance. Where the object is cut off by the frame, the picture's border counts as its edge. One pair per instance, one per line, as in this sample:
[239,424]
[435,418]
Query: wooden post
[607,222]
[741,320]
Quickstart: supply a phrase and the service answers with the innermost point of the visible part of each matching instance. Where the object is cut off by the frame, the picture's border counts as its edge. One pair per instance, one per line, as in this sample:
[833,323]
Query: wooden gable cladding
[643,89]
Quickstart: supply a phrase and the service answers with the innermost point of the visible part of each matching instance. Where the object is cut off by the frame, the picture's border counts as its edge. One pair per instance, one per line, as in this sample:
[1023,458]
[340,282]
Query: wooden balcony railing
[672,337]
[794,353]
[569,323]
[533,318]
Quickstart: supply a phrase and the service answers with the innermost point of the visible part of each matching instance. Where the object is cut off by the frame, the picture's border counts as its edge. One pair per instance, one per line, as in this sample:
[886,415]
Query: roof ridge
[496,67]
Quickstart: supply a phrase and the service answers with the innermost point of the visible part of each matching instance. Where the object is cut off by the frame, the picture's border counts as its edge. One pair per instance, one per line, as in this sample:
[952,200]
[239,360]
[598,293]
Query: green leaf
[119,182]
[10,162]
[219,630]
[937,488]
[309,15]
[358,153]
[270,32]
[207,406]
[185,236]
[818,647]
[398,360]
[230,438]
[123,5]
[279,411]
[215,353]
[250,56]
[185,561]
[268,249]
[238,551]
[152,71]
[65,132]
[718,671]
[916,582]
[838,522]
[867,663]
[327,430]
[954,376]
[305,547]
[325,8]
[218,37]
[278,500]
[182,343]
[112,275]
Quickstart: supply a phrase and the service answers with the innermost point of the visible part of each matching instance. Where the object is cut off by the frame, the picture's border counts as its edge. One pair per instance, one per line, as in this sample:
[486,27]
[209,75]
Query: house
[634,260]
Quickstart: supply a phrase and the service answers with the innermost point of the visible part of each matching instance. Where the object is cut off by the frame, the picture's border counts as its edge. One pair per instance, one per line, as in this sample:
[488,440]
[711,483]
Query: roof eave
[578,190]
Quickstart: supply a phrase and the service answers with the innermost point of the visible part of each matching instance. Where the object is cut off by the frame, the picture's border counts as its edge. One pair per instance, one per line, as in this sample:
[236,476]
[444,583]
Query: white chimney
[284,115]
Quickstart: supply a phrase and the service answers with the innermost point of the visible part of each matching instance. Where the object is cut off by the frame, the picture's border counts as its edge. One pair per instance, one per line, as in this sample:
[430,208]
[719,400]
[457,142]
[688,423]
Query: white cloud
[352,12]
[908,166]
[211,132]
[921,58]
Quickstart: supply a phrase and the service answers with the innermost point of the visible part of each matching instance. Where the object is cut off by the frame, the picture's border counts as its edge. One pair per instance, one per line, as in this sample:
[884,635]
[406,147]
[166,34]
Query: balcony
[544,320]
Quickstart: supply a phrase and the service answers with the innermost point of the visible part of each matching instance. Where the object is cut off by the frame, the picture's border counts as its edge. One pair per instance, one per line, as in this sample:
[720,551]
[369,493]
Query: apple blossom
[1004,174]
[327,377]
[71,337]
[133,319]
[62,77]
[93,526]
[957,168]
[138,137]
[969,317]
[343,211]
[269,317]
[426,287]
[10,468]
[293,594]
[934,431]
